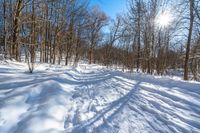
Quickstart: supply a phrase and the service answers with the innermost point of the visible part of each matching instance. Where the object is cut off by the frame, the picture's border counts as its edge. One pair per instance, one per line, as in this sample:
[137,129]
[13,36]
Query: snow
[93,99]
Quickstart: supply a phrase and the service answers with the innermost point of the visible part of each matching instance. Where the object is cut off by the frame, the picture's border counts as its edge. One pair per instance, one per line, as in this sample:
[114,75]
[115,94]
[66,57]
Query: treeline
[71,30]
[57,29]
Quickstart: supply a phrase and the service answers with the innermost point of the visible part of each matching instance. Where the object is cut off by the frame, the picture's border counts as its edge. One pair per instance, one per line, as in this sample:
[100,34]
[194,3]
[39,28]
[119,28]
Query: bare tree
[17,13]
[191,3]
[97,20]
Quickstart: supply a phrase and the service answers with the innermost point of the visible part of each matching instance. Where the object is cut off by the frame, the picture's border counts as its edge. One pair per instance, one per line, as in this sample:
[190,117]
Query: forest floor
[93,99]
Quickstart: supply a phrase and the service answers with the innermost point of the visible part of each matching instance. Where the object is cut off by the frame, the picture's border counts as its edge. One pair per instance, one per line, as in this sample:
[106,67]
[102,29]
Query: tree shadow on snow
[108,113]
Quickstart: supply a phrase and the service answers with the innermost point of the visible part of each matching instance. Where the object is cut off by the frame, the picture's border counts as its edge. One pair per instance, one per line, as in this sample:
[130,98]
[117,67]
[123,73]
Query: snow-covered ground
[91,98]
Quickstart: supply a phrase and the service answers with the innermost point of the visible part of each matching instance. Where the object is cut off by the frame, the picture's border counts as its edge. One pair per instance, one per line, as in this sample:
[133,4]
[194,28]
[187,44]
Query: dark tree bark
[15,45]
[191,2]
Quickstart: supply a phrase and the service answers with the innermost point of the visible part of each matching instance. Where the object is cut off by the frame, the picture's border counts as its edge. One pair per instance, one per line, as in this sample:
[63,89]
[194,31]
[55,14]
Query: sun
[164,19]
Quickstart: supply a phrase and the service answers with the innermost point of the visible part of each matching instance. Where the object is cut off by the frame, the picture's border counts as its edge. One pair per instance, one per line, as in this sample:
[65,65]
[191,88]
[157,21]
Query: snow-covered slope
[90,98]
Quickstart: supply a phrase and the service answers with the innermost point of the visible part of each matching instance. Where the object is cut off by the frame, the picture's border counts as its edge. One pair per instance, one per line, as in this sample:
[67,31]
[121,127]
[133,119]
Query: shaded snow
[93,99]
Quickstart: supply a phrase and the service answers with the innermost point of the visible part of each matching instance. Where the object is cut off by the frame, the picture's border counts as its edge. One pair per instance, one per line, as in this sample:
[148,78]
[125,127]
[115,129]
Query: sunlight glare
[164,19]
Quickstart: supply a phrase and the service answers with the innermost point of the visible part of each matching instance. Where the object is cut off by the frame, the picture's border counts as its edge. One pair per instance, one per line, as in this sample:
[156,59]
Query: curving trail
[93,99]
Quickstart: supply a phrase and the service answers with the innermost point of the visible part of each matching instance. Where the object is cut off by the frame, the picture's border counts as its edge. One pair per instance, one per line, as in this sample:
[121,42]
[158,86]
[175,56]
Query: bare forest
[153,36]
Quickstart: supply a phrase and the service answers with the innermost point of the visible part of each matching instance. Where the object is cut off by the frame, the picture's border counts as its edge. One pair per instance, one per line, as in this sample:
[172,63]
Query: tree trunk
[189,39]
[15,47]
[5,32]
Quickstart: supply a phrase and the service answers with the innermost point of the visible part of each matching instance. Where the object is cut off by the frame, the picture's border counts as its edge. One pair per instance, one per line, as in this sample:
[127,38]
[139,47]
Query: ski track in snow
[93,99]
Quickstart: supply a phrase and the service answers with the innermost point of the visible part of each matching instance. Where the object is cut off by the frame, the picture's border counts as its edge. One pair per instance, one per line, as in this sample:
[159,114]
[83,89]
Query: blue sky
[110,7]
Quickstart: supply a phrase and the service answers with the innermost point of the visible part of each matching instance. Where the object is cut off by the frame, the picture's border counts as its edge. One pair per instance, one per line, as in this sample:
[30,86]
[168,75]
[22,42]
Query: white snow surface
[93,99]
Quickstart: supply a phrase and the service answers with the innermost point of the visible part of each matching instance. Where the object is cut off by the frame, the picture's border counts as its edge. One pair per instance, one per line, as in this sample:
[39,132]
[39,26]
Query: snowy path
[93,99]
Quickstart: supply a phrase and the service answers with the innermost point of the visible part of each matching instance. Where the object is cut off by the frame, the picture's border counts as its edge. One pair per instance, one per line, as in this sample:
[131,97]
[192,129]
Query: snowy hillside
[91,98]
